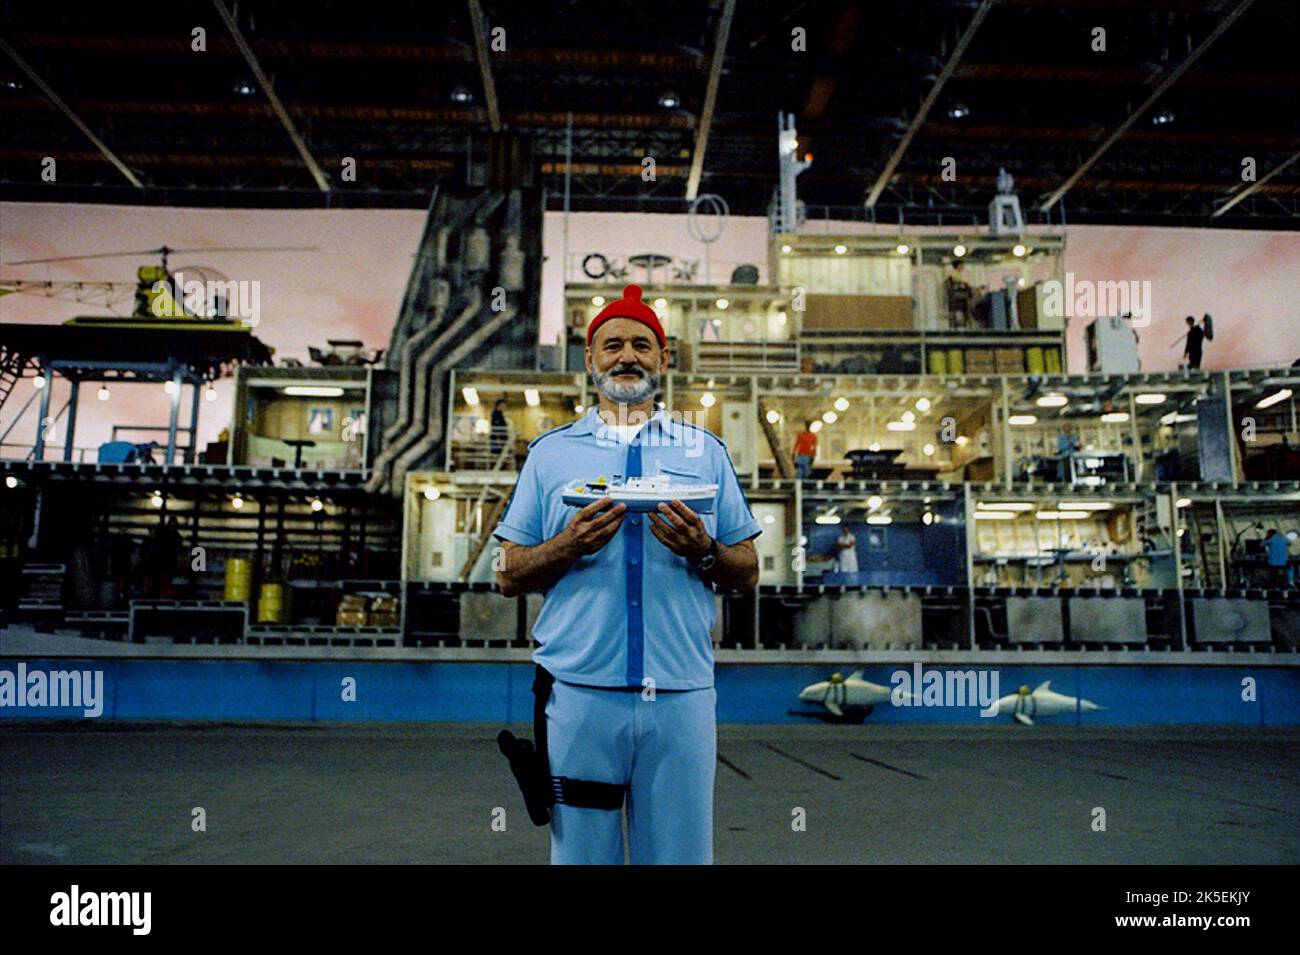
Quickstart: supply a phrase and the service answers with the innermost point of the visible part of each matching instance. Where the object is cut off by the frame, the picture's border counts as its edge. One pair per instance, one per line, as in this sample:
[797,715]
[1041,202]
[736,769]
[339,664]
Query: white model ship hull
[642,494]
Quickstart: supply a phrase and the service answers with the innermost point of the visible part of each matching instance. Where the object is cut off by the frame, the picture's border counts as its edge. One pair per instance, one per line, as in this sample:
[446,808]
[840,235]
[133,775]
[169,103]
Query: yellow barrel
[271,607]
[956,364]
[1052,360]
[1034,360]
[938,362]
[239,578]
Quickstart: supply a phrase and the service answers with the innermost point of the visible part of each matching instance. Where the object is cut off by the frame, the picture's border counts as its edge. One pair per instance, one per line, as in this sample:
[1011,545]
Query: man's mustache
[625,370]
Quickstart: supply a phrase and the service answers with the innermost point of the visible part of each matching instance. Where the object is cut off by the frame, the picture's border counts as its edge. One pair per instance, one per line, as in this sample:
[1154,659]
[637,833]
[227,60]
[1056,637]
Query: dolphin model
[1023,705]
[854,694]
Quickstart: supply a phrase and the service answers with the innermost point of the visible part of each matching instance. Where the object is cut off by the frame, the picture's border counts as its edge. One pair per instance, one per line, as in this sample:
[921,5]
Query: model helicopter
[160,300]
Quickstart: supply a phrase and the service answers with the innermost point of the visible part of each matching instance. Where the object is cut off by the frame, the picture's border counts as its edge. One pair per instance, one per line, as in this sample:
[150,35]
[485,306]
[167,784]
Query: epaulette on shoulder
[546,434]
[706,431]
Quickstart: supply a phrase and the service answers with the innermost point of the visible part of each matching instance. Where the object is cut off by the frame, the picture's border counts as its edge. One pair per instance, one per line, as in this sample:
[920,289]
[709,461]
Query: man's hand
[681,531]
[590,529]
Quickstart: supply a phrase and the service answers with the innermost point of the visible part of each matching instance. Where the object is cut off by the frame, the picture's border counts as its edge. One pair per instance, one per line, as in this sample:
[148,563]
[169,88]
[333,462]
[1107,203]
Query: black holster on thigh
[531,766]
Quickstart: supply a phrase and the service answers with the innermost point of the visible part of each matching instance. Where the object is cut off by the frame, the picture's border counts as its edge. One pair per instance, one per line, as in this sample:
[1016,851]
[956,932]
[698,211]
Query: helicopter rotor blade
[166,250]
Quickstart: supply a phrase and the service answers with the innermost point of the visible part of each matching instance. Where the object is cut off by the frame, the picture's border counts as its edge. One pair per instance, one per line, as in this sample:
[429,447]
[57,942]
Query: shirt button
[636,603]
[633,560]
[636,521]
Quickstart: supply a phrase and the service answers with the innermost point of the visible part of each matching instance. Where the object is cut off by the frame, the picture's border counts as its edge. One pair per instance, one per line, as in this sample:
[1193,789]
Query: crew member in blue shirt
[625,626]
[1277,550]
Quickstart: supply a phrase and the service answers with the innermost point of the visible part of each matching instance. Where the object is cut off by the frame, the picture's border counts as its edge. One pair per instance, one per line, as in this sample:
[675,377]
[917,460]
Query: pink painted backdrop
[351,286]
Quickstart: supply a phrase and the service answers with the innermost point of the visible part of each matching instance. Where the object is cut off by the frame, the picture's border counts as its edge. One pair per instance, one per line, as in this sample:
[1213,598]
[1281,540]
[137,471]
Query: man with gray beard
[624,692]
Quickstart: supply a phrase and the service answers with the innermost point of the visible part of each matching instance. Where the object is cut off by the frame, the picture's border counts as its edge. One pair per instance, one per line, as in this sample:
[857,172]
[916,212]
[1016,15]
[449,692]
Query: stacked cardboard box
[383,611]
[979,361]
[352,610]
[1009,361]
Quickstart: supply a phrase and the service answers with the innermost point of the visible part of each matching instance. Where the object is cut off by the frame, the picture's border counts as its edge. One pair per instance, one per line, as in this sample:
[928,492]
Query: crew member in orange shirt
[805,449]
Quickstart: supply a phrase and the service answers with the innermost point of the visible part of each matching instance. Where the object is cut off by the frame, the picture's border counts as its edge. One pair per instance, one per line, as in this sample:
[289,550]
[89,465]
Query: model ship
[641,493]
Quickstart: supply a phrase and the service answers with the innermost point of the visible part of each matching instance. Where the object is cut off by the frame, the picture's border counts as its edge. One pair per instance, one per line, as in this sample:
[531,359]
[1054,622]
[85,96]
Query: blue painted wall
[501,693]
[914,555]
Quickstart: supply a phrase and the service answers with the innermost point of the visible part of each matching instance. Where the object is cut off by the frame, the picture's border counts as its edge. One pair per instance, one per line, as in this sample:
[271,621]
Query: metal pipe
[174,417]
[42,419]
[72,419]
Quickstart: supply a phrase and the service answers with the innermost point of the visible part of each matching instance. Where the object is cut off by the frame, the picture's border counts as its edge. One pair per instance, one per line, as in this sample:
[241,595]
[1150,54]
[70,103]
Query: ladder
[783,463]
[494,515]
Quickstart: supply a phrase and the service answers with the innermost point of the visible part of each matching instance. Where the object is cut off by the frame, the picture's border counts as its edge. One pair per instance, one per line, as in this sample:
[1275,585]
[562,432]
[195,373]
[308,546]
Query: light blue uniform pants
[666,748]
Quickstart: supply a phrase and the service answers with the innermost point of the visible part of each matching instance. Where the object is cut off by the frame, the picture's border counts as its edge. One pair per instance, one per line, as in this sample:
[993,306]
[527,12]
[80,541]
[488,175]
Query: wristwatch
[711,557]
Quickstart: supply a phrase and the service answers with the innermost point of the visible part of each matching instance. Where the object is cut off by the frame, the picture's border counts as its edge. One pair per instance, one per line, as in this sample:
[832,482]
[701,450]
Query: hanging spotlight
[532,397]
[669,100]
[903,248]
[722,303]
[156,500]
[781,318]
[11,482]
[317,504]
[210,394]
[908,416]
[841,249]
[470,394]
[841,404]
[237,502]
[431,493]
[815,427]
[708,400]
[830,417]
[875,501]
[461,95]
[1019,250]
[598,300]
[170,387]
[773,416]
[959,250]
[958,111]
[785,249]
[928,450]
[661,303]
[102,394]
[38,382]
[923,405]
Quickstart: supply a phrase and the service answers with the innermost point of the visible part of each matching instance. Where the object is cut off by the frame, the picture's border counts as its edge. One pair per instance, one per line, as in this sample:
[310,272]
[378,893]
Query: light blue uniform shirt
[1278,549]
[633,609]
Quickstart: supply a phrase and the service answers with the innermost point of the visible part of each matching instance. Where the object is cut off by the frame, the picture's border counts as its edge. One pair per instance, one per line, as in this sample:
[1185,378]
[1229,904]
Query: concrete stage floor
[111,793]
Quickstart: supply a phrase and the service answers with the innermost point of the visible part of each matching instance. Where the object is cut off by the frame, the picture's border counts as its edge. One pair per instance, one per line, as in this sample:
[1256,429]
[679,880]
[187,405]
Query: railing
[486,452]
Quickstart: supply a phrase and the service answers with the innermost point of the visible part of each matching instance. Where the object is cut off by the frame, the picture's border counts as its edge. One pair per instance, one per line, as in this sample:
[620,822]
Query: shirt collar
[591,422]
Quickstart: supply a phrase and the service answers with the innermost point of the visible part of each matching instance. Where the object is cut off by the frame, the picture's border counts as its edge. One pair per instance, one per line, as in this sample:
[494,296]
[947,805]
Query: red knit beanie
[629,306]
